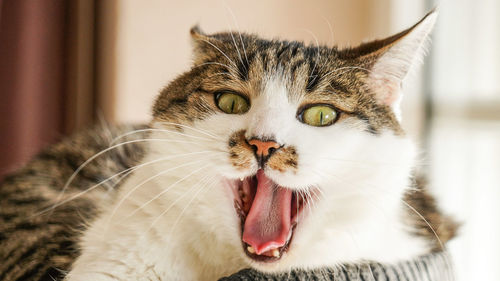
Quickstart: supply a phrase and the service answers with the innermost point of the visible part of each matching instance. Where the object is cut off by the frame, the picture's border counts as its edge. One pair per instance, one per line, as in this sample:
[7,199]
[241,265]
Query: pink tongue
[267,225]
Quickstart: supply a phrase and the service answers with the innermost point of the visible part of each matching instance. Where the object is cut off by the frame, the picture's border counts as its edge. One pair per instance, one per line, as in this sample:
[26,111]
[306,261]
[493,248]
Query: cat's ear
[203,44]
[389,60]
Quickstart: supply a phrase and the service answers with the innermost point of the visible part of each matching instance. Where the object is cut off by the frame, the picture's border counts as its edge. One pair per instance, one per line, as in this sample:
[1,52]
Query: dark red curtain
[38,39]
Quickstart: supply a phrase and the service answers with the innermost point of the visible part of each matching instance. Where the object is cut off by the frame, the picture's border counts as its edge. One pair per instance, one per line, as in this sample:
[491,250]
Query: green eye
[232,103]
[319,116]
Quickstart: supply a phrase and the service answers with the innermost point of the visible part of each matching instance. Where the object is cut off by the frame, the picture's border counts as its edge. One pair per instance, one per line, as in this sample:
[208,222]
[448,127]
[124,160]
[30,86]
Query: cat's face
[293,144]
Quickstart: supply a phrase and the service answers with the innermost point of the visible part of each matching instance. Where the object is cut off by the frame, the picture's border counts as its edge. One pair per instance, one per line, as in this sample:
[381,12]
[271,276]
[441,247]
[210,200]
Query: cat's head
[283,147]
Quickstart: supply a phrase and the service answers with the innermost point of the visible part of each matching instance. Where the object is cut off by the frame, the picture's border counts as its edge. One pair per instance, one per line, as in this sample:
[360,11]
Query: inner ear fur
[204,46]
[389,60]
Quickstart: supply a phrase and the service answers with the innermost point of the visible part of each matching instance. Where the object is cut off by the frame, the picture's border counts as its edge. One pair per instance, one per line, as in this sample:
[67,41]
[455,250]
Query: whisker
[237,50]
[318,57]
[304,199]
[124,198]
[189,203]
[310,200]
[229,73]
[180,197]
[162,192]
[154,130]
[321,194]
[441,245]
[126,172]
[224,54]
[239,33]
[371,272]
[84,164]
[332,38]
[166,140]
[301,194]
[194,129]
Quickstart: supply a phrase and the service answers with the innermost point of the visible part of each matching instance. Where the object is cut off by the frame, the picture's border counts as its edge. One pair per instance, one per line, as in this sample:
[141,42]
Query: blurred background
[65,65]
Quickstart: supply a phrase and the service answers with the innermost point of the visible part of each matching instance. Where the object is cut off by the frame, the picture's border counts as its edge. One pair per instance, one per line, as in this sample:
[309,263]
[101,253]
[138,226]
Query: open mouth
[269,214]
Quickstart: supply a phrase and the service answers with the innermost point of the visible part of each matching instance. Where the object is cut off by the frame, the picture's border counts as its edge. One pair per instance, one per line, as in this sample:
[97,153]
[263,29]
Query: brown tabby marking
[240,152]
[42,246]
[312,74]
[436,223]
[284,159]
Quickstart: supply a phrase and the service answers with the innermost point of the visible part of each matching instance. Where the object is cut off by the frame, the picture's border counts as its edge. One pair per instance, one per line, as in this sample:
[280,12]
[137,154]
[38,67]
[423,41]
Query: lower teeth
[250,250]
[274,252]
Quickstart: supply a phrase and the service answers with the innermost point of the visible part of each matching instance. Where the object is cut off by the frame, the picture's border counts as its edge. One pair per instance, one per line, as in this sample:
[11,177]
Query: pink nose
[263,148]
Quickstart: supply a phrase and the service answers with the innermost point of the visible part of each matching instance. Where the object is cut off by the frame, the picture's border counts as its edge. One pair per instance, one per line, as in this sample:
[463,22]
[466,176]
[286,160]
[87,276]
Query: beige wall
[151,43]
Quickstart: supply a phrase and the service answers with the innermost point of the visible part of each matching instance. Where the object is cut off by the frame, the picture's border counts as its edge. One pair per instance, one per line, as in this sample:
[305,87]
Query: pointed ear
[389,60]
[203,45]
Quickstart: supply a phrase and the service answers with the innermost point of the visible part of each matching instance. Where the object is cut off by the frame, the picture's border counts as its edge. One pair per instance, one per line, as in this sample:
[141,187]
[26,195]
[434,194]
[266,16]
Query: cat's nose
[263,149]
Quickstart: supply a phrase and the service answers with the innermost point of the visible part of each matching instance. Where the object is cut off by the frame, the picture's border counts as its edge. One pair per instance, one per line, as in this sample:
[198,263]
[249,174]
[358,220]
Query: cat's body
[271,155]
[42,246]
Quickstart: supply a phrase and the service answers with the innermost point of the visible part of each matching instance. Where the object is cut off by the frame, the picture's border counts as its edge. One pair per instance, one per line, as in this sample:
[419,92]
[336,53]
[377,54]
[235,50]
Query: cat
[266,154]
